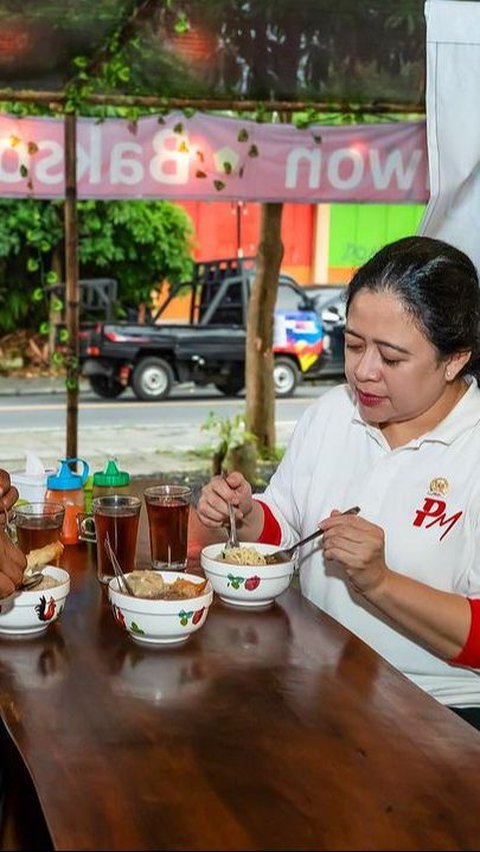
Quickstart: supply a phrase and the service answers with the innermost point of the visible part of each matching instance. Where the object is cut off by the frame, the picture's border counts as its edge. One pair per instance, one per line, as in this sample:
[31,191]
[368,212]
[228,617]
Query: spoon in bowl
[31,580]
[233,541]
[124,585]
[286,554]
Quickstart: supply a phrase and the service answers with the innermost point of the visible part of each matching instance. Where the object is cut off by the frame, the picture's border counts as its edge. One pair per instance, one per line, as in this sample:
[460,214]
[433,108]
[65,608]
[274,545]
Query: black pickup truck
[209,345]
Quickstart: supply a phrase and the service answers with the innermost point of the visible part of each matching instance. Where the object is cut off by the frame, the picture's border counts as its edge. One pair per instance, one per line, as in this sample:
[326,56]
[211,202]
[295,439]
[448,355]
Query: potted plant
[234,448]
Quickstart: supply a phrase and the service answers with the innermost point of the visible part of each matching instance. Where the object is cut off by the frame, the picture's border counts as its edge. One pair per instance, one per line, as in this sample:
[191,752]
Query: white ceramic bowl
[246,585]
[28,613]
[157,621]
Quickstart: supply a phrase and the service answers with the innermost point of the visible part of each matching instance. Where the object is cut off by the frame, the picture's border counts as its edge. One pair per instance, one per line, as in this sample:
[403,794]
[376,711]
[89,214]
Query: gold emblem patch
[439,486]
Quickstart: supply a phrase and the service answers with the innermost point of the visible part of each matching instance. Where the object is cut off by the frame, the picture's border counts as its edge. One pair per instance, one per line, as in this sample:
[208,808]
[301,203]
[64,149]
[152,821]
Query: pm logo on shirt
[434,511]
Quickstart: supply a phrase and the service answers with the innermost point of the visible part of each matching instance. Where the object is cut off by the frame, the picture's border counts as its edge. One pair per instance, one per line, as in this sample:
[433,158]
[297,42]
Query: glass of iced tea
[168,508]
[118,515]
[38,524]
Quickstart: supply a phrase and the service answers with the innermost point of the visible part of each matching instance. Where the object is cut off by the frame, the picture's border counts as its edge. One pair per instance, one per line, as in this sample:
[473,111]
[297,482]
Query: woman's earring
[447,374]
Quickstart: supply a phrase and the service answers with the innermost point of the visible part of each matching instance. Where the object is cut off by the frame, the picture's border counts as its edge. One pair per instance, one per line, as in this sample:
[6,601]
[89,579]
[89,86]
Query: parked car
[209,345]
[329,301]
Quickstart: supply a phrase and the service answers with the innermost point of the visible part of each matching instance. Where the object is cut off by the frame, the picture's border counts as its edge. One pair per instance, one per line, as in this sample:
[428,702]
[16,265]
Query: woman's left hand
[358,546]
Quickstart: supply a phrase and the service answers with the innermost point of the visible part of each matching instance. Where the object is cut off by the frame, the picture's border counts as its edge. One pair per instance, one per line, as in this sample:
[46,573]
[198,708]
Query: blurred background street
[145,437]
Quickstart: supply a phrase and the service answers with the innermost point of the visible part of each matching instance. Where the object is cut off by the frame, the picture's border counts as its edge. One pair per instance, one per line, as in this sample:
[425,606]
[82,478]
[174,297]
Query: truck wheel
[152,379]
[106,387]
[231,386]
[286,376]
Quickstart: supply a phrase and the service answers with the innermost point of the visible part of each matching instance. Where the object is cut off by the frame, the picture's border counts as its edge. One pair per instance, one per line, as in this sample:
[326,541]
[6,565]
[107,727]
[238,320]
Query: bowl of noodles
[240,576]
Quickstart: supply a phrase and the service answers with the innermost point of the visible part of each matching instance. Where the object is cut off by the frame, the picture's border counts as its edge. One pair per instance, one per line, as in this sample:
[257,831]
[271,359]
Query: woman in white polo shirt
[402,441]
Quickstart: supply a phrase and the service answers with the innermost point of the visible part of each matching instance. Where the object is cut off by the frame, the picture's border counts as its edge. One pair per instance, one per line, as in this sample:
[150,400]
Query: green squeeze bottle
[110,480]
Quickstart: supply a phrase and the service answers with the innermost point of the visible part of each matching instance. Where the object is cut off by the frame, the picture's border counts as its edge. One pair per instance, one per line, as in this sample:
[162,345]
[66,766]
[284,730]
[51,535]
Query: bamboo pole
[168,104]
[71,282]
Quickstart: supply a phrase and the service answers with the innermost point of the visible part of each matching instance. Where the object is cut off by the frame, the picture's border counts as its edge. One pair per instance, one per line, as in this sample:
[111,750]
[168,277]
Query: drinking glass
[168,509]
[118,516]
[37,524]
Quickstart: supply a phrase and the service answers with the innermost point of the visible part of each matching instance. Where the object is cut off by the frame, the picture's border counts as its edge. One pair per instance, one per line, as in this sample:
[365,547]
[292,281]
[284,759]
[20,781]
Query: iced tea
[38,524]
[119,517]
[122,532]
[168,508]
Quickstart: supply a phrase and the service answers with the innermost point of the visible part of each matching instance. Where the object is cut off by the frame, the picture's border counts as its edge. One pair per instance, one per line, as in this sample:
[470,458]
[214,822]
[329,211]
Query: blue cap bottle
[66,487]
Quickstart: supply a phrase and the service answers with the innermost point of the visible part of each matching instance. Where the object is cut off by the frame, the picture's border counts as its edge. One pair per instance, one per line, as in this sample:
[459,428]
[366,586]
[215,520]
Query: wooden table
[272,729]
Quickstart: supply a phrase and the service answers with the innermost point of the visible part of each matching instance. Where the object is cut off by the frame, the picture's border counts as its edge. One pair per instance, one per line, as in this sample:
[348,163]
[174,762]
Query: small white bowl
[161,622]
[28,613]
[246,585]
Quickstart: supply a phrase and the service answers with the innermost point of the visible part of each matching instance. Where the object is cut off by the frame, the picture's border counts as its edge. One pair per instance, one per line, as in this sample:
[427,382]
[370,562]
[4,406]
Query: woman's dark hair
[437,284]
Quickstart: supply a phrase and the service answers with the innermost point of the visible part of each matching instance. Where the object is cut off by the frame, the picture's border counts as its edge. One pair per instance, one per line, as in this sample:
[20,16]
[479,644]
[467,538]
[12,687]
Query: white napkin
[33,466]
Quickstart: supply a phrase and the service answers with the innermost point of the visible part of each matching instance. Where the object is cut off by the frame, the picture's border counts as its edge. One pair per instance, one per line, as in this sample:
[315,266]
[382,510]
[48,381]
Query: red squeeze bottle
[66,487]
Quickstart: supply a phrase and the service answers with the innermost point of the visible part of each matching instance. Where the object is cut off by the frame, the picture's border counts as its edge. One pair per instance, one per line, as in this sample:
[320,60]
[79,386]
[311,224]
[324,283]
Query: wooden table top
[273,729]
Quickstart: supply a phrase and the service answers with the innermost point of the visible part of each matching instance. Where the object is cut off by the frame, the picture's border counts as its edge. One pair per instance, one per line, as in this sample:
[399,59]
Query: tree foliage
[136,242]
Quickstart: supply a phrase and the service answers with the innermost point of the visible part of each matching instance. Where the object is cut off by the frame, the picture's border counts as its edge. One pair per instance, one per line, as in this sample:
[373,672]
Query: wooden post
[71,281]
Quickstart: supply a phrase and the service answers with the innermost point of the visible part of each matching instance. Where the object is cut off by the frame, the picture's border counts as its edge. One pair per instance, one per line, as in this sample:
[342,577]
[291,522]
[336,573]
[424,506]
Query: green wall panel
[358,230]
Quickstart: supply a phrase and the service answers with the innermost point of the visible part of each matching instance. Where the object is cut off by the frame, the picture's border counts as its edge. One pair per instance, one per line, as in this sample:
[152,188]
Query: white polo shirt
[426,498]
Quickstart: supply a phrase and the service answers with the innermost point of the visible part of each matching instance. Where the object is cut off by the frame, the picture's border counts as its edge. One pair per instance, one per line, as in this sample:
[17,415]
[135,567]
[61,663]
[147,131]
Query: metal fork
[122,580]
[286,554]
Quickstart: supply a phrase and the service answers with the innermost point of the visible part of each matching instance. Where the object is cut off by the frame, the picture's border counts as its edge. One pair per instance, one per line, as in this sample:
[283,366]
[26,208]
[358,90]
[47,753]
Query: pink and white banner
[220,159]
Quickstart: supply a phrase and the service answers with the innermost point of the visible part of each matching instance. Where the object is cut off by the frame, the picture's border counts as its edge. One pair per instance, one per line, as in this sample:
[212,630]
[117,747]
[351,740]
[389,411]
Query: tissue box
[31,483]
[31,487]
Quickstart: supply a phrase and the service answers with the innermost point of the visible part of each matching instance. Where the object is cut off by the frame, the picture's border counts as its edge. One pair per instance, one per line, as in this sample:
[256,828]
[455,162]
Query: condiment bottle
[66,487]
[110,480]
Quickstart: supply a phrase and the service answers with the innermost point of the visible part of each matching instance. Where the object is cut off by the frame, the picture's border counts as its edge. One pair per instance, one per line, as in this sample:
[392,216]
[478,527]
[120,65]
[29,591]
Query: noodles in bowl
[242,556]
[241,576]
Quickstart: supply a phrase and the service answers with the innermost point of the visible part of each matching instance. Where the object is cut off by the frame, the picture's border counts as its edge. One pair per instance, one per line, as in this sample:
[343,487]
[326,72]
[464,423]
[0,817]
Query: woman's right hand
[212,507]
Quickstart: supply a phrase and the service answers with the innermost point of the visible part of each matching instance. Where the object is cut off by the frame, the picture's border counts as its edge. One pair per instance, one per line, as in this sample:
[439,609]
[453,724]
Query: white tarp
[453,124]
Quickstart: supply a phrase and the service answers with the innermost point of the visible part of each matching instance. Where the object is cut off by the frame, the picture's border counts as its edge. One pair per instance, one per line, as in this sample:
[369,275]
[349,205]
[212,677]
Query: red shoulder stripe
[470,653]
[271,532]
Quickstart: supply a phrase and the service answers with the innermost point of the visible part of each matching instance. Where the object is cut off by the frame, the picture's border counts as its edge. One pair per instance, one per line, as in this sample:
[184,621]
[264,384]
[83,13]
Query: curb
[28,387]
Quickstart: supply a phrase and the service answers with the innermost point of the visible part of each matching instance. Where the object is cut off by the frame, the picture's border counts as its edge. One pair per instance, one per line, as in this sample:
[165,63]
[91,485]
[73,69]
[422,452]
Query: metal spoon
[10,528]
[232,537]
[287,553]
[123,583]
[31,580]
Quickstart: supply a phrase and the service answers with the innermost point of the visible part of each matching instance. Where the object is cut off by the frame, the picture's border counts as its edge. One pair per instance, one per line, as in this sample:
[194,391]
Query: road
[145,437]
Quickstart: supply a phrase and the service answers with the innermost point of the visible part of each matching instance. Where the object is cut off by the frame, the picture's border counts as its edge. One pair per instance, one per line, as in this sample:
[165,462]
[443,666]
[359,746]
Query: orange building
[230,229]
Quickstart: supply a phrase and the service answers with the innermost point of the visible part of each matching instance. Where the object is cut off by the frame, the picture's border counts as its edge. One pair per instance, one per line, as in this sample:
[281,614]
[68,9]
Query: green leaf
[51,277]
[243,135]
[32,264]
[181,25]
[23,170]
[44,328]
[63,335]
[56,305]
[38,294]
[227,168]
